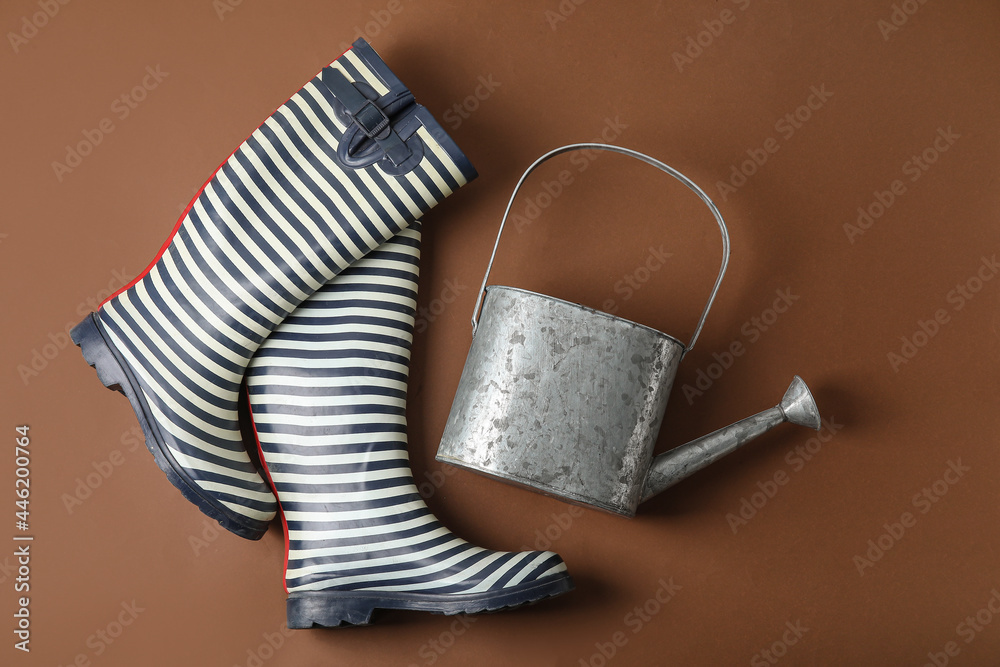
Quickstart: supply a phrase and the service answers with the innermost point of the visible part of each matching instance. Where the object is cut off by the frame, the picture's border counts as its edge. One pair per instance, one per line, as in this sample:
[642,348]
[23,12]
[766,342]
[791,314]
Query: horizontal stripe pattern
[279,219]
[328,396]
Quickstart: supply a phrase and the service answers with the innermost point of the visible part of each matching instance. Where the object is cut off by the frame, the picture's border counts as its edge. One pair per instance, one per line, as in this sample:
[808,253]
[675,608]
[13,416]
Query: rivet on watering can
[567,400]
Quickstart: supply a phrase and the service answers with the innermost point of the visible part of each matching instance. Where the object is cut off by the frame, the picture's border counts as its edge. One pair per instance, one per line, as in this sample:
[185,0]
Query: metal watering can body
[568,400]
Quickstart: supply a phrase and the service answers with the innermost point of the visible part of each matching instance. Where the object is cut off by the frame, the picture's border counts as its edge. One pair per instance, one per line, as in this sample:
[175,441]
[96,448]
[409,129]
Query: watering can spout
[797,407]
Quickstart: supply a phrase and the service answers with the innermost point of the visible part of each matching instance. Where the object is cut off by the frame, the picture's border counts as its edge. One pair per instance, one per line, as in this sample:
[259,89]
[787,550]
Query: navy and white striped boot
[327,392]
[346,163]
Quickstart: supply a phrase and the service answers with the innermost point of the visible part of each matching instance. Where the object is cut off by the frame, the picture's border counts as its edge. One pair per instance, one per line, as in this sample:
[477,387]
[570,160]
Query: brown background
[215,602]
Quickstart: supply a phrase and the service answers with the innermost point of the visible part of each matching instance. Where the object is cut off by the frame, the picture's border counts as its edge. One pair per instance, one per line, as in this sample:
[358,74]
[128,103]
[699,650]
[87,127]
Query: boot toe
[540,565]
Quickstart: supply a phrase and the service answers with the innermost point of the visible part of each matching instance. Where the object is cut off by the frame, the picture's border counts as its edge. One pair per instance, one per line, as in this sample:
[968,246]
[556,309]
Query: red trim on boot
[267,471]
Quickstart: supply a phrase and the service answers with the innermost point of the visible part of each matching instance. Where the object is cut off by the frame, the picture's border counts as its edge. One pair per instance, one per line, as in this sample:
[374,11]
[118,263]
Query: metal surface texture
[561,398]
[568,400]
[797,407]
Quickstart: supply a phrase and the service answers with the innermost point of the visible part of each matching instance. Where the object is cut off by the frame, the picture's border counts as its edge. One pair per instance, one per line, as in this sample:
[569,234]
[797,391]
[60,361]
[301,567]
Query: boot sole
[330,609]
[114,373]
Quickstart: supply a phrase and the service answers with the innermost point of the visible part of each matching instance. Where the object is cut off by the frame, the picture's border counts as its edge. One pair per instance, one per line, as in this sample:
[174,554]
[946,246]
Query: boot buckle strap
[368,117]
[372,121]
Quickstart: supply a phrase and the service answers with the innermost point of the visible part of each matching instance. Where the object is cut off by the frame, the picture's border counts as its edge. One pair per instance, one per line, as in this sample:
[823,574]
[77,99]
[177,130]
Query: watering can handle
[648,160]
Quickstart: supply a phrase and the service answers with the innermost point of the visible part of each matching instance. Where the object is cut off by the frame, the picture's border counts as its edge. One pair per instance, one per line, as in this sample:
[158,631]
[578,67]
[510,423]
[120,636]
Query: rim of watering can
[592,311]
[642,157]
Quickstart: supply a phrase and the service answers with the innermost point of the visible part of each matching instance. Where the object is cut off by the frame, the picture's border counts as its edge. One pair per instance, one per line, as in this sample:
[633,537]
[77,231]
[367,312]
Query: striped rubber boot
[327,392]
[343,165]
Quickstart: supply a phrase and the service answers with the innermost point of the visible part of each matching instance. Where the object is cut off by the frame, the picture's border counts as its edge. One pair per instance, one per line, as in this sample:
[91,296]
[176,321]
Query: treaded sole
[113,372]
[331,609]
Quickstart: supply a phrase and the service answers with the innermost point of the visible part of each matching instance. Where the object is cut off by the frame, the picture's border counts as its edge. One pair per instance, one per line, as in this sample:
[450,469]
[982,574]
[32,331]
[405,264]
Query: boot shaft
[347,162]
[327,392]
[304,197]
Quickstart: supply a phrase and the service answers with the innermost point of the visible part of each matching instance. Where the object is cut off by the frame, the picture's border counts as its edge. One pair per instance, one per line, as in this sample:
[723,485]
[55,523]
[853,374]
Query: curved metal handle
[648,160]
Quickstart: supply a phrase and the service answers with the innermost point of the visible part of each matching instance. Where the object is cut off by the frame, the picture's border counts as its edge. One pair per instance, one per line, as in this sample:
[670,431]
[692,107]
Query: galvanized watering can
[568,400]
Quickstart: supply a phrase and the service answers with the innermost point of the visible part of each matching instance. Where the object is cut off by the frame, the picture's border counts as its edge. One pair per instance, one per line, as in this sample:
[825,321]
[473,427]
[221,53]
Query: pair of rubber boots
[295,269]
